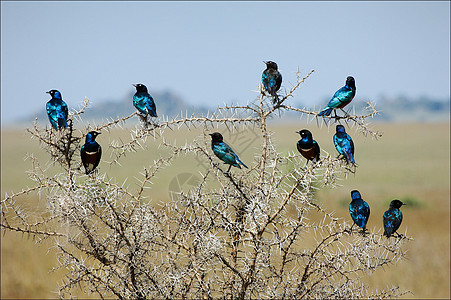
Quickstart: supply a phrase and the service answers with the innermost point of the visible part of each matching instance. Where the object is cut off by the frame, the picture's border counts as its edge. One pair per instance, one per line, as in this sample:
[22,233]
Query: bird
[143,101]
[91,152]
[224,152]
[359,210]
[57,110]
[307,146]
[341,97]
[392,218]
[344,144]
[272,79]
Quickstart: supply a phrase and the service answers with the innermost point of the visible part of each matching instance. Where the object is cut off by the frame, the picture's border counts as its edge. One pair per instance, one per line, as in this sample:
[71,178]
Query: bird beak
[134,85]
[211,134]
[47,92]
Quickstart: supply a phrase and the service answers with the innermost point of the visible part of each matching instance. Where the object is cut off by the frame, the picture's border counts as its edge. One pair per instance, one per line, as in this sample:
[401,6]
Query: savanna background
[398,165]
[193,59]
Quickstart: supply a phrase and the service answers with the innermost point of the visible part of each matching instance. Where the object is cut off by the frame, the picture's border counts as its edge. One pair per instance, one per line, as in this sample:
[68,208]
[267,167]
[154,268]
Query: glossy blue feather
[144,102]
[359,210]
[90,152]
[272,79]
[224,152]
[57,110]
[307,146]
[392,220]
[344,144]
[341,97]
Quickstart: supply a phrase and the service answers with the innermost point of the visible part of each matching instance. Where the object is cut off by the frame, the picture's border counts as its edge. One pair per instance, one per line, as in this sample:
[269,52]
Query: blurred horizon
[211,53]
[170,105]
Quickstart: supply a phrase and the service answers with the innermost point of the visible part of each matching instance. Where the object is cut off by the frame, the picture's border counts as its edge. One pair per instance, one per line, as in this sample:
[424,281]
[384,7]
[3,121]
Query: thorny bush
[236,235]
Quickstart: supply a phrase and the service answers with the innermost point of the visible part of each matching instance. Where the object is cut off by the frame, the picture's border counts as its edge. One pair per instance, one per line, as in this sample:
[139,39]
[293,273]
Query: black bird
[91,152]
[272,79]
[307,146]
[392,218]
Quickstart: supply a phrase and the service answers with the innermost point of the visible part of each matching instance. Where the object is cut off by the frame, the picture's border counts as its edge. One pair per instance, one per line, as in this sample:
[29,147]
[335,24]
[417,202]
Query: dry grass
[411,162]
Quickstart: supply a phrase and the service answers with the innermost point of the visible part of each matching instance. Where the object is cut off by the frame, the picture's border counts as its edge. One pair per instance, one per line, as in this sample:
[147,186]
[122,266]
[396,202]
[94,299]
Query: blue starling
[57,110]
[143,101]
[344,144]
[224,152]
[341,97]
[359,209]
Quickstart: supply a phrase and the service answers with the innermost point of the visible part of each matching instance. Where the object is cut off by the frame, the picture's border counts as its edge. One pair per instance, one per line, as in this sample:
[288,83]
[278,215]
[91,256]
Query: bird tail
[153,113]
[352,158]
[238,160]
[349,157]
[325,112]
[62,123]
[361,222]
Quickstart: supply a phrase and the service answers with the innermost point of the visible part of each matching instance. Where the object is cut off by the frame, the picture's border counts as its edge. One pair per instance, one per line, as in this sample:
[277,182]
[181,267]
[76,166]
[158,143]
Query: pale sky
[213,52]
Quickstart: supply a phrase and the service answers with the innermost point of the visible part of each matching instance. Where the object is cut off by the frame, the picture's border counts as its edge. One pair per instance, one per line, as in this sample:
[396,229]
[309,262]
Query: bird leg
[228,169]
[399,235]
[346,114]
[335,114]
[350,229]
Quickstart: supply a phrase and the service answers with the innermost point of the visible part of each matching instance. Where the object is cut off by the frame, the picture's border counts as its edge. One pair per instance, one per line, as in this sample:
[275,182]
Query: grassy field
[410,162]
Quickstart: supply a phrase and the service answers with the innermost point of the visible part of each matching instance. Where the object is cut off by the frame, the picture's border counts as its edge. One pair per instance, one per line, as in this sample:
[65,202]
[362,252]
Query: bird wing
[337,143]
[344,146]
[99,155]
[272,80]
[351,143]
[358,212]
[235,156]
[62,114]
[317,149]
[365,211]
[389,221]
[52,114]
[278,80]
[342,96]
[91,157]
[64,109]
[225,153]
[367,208]
[229,150]
[266,81]
[150,105]
[83,155]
